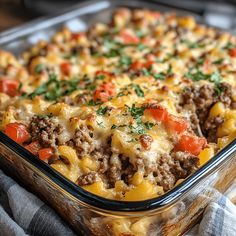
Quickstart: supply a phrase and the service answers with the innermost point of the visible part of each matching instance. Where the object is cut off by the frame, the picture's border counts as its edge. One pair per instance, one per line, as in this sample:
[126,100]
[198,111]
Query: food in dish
[126,110]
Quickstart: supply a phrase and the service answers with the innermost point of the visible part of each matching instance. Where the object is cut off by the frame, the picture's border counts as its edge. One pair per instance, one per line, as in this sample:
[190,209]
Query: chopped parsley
[100,124]
[100,77]
[138,90]
[169,70]
[92,87]
[39,68]
[219,89]
[19,87]
[218,62]
[132,140]
[159,76]
[114,126]
[136,112]
[139,33]
[112,53]
[101,111]
[125,61]
[229,45]
[215,78]
[120,94]
[148,125]
[54,88]
[199,75]
[138,129]
[117,126]
[192,45]
[94,103]
[141,47]
[200,61]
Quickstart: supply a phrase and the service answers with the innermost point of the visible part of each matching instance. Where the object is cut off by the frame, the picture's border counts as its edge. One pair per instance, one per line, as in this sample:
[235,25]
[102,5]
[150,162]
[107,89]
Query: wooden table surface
[12,13]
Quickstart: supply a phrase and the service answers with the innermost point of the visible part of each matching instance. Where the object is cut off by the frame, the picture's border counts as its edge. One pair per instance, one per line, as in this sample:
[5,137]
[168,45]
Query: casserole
[134,225]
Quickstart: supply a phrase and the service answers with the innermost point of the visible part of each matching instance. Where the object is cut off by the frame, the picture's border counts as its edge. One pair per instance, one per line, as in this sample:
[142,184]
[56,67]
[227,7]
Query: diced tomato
[127,37]
[76,36]
[66,68]
[158,113]
[45,153]
[191,144]
[148,64]
[232,52]
[10,87]
[206,64]
[102,72]
[17,132]
[137,65]
[176,124]
[33,147]
[104,92]
[156,14]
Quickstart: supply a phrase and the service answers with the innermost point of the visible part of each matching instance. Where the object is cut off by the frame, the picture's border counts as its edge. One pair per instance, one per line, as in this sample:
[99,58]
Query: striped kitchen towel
[22,213]
[219,219]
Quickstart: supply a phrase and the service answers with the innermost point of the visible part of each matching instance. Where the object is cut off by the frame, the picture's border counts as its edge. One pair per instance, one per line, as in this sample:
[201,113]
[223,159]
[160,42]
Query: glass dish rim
[94,200]
[121,206]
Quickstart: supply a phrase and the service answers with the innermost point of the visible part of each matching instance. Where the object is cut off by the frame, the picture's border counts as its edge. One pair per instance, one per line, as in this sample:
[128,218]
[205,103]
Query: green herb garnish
[141,47]
[125,61]
[19,87]
[215,78]
[100,77]
[136,112]
[138,129]
[148,125]
[200,61]
[229,45]
[39,68]
[192,45]
[218,62]
[159,76]
[54,89]
[114,126]
[169,70]
[197,76]
[138,90]
[101,124]
[94,103]
[101,111]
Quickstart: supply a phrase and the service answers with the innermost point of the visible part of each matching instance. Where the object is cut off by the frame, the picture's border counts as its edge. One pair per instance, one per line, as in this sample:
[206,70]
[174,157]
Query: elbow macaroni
[90,92]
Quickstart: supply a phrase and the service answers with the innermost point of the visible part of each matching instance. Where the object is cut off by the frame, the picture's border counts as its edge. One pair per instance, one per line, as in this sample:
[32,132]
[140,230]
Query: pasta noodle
[126,110]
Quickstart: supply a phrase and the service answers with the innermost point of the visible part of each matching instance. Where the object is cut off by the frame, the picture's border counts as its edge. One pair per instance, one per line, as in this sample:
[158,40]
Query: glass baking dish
[170,214]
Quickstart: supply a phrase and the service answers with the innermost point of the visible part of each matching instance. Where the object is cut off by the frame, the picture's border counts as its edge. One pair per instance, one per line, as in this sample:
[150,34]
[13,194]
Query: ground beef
[114,171]
[163,175]
[88,179]
[199,100]
[83,141]
[169,168]
[45,130]
[226,95]
[127,169]
[210,127]
[184,164]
